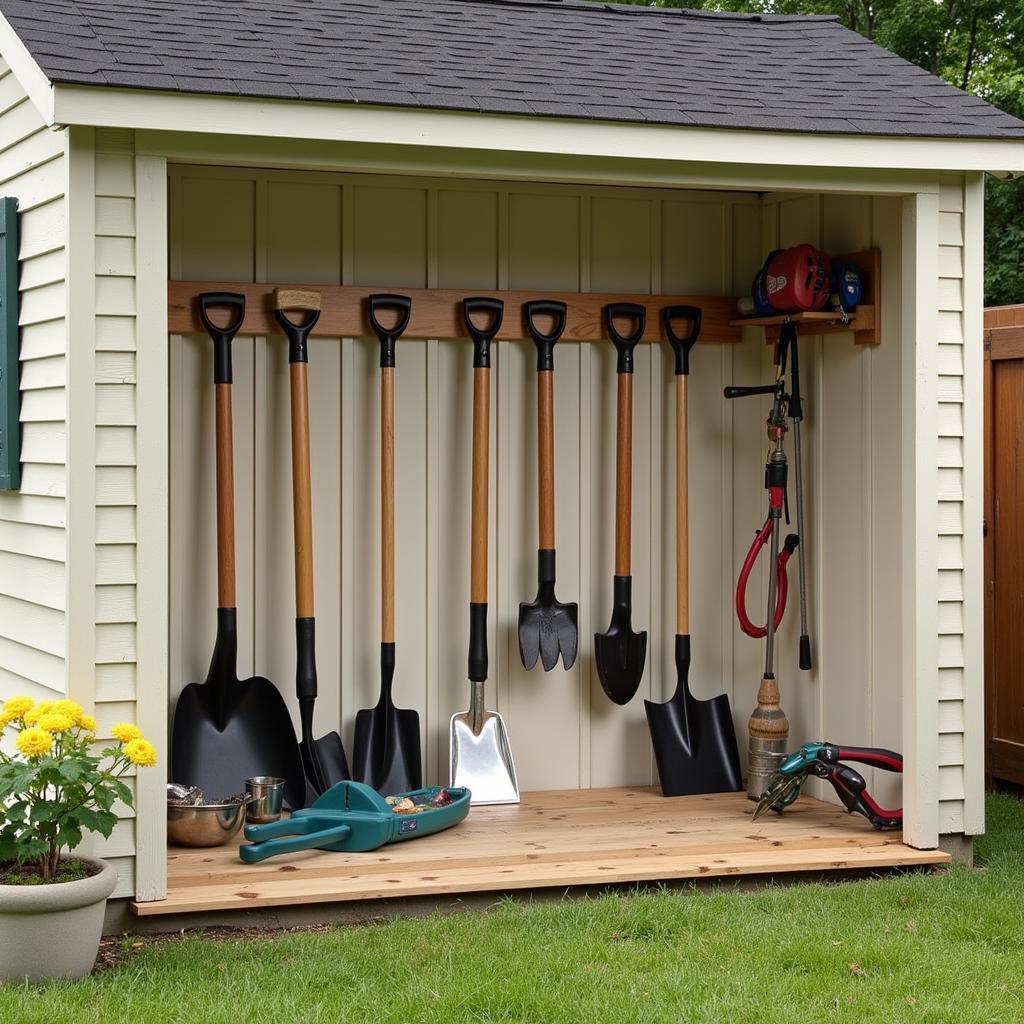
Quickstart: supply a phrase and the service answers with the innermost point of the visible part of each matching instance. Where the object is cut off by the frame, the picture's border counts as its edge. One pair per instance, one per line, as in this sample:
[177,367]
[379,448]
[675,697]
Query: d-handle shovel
[226,729]
[694,740]
[386,750]
[620,653]
[481,758]
[547,627]
[323,759]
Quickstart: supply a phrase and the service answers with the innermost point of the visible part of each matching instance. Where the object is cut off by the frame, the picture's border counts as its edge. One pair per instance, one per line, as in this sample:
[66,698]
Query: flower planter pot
[53,931]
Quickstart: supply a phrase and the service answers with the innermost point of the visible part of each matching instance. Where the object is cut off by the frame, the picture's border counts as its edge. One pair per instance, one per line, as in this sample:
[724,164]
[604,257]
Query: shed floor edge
[555,840]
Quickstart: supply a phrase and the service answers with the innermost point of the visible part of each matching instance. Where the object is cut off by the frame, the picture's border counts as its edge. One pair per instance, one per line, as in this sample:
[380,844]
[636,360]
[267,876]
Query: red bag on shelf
[798,280]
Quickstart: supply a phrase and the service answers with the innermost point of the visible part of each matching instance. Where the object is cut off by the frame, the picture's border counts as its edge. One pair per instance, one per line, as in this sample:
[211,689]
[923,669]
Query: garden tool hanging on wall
[768,728]
[824,760]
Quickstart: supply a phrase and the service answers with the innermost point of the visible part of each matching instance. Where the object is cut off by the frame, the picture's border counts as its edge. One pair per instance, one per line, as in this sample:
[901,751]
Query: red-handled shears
[781,579]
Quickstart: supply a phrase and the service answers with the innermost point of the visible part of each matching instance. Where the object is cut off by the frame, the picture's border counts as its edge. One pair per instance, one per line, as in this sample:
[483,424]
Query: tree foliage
[976,45]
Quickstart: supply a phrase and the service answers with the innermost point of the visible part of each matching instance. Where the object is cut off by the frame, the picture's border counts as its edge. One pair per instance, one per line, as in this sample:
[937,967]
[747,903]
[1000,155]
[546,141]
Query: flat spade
[323,759]
[620,652]
[694,740]
[227,730]
[481,758]
[386,744]
[547,627]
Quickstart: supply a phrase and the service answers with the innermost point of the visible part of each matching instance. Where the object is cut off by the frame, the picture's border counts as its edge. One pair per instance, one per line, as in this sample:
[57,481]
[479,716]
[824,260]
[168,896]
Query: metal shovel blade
[548,629]
[694,740]
[481,758]
[620,653]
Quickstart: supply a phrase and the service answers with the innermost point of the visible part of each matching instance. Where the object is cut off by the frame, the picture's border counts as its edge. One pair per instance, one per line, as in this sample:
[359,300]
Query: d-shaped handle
[625,343]
[482,336]
[402,305]
[681,343]
[545,342]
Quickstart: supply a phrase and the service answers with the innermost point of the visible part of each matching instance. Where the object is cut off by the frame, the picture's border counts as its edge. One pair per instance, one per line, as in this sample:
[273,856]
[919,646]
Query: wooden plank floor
[560,838]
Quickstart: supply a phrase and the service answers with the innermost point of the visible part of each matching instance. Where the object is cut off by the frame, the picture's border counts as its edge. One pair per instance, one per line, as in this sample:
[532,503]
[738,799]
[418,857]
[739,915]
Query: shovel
[226,730]
[547,627]
[481,758]
[323,759]
[620,653]
[386,744]
[694,740]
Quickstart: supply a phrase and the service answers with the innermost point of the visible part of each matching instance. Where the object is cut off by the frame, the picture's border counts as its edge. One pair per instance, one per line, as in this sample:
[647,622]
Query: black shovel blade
[620,653]
[694,740]
[386,744]
[254,737]
[548,629]
[324,763]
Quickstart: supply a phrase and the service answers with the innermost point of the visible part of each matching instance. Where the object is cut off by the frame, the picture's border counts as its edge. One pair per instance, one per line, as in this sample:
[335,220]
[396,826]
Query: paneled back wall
[255,225]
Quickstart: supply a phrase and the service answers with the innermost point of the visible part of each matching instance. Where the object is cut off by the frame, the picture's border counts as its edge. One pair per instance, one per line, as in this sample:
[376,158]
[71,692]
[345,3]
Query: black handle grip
[545,342]
[681,344]
[297,334]
[305,659]
[876,757]
[222,336]
[625,343]
[805,653]
[387,336]
[482,336]
[478,641]
[796,406]
[736,391]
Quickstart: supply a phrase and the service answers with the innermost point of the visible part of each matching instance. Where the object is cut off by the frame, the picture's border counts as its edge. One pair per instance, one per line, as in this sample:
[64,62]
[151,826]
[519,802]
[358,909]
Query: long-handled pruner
[825,761]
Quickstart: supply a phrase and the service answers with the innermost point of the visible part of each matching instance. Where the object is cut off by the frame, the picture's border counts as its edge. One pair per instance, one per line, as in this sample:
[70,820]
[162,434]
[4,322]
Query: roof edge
[203,113]
[609,6]
[24,67]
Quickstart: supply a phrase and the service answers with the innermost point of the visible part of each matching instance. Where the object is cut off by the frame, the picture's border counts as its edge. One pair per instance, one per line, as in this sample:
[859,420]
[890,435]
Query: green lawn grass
[918,947]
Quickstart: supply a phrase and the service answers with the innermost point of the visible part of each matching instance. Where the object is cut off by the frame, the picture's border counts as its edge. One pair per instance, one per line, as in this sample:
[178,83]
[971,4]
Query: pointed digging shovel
[620,653]
[694,740]
[323,759]
[225,729]
[386,745]
[547,627]
[481,758]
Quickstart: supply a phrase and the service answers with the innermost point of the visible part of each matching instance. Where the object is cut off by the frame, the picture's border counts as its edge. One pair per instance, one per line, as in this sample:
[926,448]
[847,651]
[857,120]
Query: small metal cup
[267,793]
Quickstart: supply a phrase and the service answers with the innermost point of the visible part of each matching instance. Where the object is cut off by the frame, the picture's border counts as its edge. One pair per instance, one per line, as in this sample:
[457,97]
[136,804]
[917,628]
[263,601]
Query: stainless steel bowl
[204,824]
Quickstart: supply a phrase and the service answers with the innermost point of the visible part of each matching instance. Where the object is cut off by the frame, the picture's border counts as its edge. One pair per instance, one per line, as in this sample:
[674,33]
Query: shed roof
[560,58]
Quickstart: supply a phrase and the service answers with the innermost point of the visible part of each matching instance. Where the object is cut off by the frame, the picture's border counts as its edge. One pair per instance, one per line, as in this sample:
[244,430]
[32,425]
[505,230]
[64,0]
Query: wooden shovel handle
[682,513]
[225,498]
[546,458]
[302,490]
[624,474]
[387,504]
[481,485]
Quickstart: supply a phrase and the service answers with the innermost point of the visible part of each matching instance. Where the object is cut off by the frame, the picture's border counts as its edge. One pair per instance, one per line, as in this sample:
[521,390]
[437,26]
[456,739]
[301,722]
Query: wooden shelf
[555,839]
[864,325]
[437,313]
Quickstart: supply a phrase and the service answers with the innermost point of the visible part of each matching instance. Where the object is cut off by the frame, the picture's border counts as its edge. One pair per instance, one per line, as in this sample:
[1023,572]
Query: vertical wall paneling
[400,232]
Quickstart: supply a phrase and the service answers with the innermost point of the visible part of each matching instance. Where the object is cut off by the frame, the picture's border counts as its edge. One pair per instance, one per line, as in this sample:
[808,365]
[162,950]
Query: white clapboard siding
[116,606]
[32,522]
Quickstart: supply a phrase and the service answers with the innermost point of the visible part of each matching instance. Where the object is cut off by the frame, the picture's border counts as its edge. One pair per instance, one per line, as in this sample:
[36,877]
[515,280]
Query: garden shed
[520,147]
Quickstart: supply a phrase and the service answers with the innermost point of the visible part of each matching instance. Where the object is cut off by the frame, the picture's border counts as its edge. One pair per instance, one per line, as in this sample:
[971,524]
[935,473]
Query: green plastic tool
[351,817]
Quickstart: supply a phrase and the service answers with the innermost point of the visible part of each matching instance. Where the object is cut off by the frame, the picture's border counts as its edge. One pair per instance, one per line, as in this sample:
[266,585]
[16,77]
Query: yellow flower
[33,715]
[140,752]
[88,723]
[70,708]
[16,707]
[52,721]
[125,732]
[34,742]
[6,718]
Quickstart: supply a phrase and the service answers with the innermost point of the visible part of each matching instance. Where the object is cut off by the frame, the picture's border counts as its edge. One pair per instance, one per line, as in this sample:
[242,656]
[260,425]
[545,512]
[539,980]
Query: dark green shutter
[10,428]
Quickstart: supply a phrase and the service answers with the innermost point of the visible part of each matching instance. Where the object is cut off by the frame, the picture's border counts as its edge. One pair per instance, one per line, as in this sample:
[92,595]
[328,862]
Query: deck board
[560,838]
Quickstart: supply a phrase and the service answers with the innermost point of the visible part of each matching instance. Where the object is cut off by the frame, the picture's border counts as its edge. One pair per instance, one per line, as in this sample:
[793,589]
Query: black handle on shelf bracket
[482,336]
[682,344]
[625,343]
[387,336]
[545,342]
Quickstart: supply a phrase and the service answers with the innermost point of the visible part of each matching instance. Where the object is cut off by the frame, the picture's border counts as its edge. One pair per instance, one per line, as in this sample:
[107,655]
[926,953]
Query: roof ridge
[611,7]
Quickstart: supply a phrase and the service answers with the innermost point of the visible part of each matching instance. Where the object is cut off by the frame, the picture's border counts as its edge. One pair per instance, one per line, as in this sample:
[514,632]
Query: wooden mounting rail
[436,312]
[865,322]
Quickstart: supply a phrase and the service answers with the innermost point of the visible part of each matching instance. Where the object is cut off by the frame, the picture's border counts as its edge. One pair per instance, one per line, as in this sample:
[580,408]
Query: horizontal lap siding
[116,451]
[33,593]
[950,429]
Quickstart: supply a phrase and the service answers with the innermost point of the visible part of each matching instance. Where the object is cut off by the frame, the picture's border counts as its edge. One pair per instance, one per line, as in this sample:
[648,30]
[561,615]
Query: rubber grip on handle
[625,343]
[482,336]
[737,391]
[545,342]
[805,653]
[681,344]
[876,757]
[387,336]
[222,336]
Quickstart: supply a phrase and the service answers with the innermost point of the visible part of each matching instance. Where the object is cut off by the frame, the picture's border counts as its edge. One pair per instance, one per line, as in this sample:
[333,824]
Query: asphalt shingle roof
[560,58]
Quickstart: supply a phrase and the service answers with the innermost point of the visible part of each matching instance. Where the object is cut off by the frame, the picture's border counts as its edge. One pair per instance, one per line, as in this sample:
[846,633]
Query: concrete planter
[53,931]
